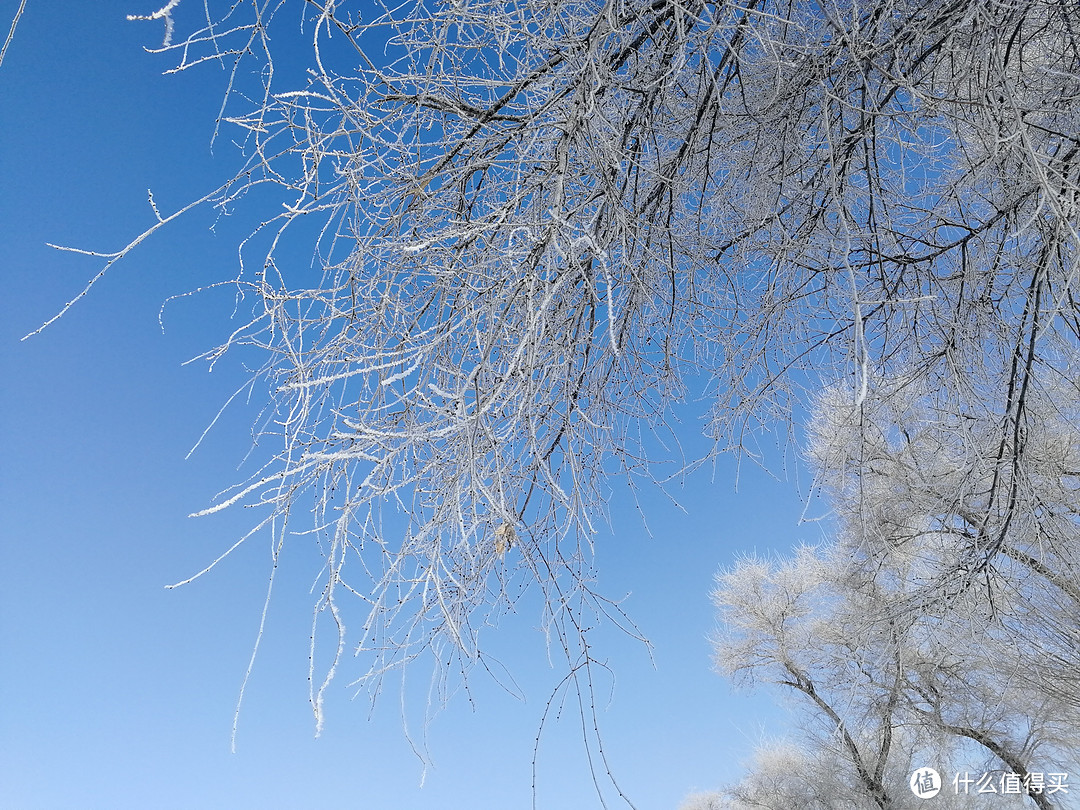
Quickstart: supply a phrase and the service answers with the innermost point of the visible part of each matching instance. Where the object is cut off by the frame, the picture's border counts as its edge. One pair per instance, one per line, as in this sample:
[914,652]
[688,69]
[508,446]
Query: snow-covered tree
[537,225]
[936,628]
[979,529]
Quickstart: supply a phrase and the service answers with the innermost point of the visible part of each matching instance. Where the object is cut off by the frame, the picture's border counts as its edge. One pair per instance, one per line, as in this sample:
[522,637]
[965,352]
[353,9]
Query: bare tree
[916,488]
[915,623]
[537,224]
[884,696]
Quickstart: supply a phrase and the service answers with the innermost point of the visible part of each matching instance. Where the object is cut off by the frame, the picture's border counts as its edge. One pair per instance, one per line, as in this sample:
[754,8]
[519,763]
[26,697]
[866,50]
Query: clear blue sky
[118,693]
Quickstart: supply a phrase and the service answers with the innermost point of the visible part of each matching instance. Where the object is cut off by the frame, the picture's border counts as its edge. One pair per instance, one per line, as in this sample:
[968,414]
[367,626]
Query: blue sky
[118,693]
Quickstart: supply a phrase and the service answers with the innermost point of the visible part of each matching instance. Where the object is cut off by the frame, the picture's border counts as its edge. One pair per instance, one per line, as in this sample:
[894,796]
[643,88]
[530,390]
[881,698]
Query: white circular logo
[925,783]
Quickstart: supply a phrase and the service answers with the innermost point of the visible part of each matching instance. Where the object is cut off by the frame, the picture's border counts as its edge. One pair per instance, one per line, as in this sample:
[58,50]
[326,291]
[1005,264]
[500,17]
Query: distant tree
[909,643]
[967,529]
[536,224]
